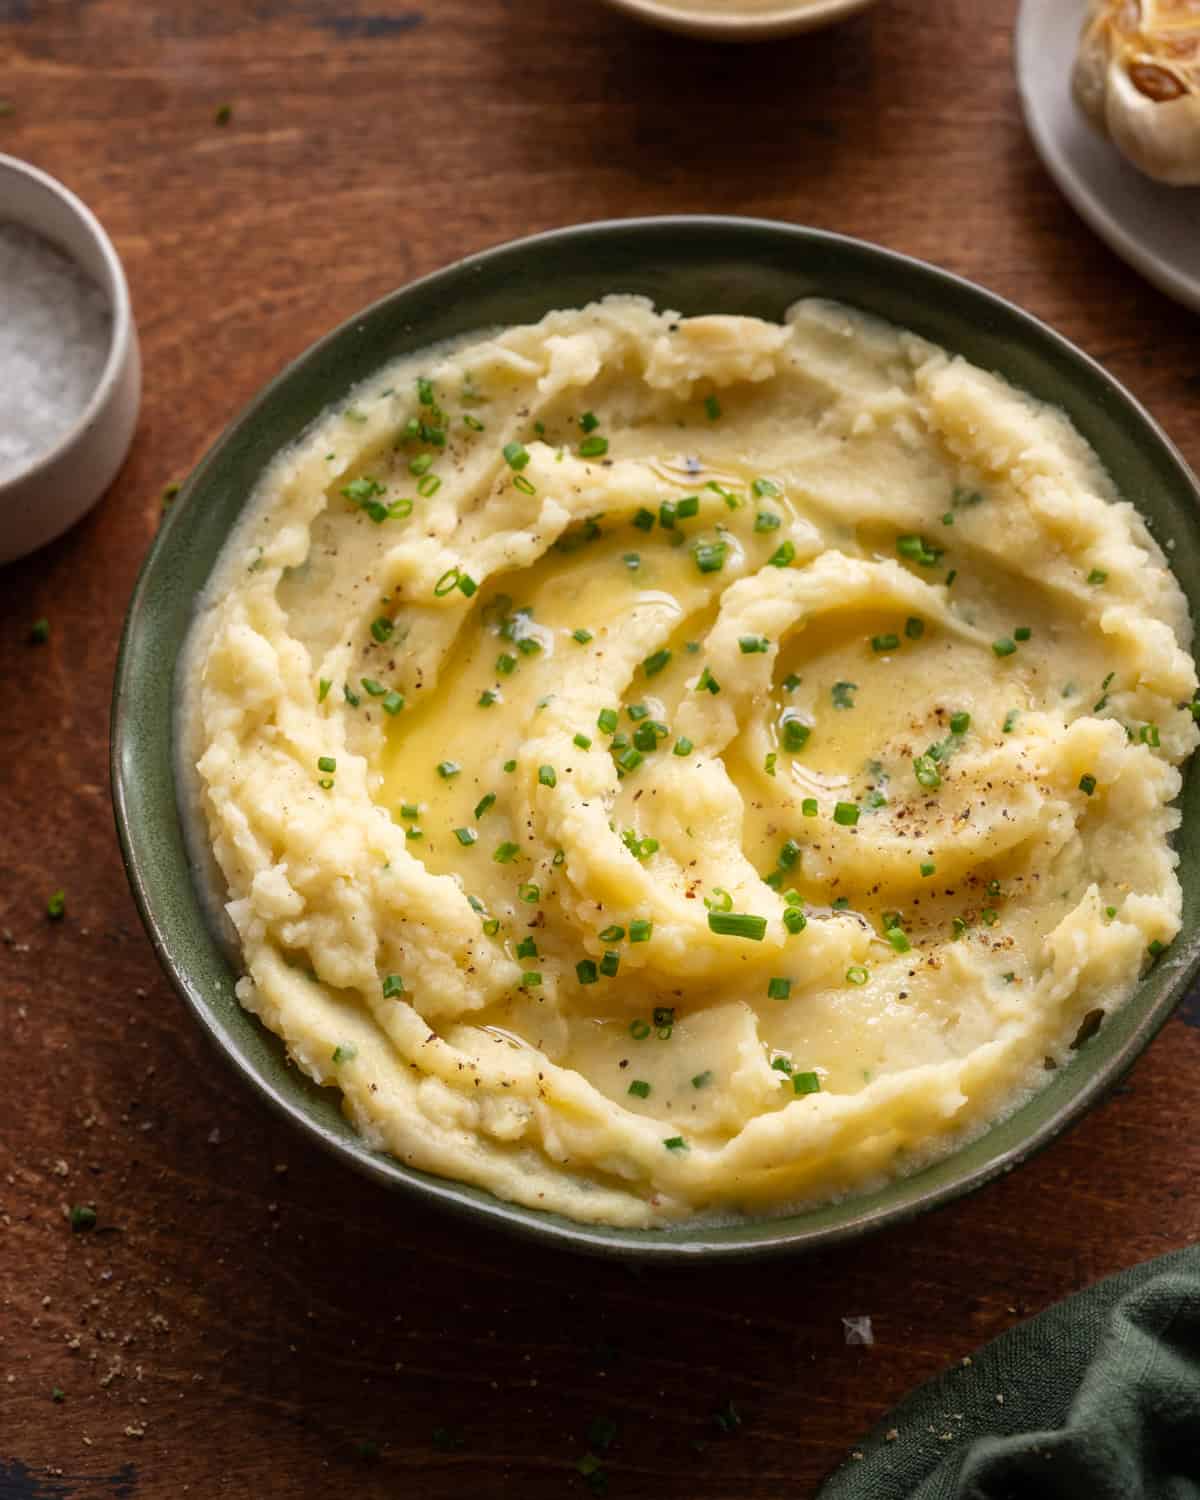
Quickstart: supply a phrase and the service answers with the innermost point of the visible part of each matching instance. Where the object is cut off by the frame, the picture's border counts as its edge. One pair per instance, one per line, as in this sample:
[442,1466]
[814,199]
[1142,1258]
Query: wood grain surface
[247,1317]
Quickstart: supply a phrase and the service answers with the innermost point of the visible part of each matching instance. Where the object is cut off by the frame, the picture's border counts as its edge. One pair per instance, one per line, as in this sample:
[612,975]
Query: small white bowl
[40,501]
[784,18]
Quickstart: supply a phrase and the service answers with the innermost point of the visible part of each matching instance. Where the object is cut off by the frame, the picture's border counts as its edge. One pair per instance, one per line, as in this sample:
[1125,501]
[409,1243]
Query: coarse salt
[55,334]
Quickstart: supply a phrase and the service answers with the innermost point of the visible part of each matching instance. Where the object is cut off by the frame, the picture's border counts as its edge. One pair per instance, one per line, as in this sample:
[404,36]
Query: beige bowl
[53,490]
[716,21]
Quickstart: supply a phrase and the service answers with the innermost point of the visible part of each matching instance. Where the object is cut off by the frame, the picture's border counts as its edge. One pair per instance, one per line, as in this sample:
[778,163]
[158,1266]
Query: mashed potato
[667,767]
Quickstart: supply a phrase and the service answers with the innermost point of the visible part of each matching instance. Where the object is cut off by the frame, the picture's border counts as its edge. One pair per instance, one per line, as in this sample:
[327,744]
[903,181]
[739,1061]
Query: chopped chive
[843,693]
[488,697]
[639,1030]
[526,486]
[737,924]
[914,628]
[547,776]
[585,971]
[708,683]
[1022,633]
[506,852]
[56,905]
[676,1143]
[472,422]
[630,759]
[789,854]
[749,645]
[683,746]
[351,698]
[770,761]
[884,642]
[393,702]
[382,629]
[857,974]
[527,948]
[712,408]
[640,930]
[898,939]
[516,456]
[1010,720]
[1005,646]
[654,664]
[639,1088]
[327,764]
[960,723]
[510,765]
[581,635]
[795,734]
[529,892]
[779,989]
[607,720]
[612,934]
[1097,576]
[506,664]
[372,688]
[589,421]
[530,979]
[917,549]
[1148,735]
[806,1083]
[467,585]
[809,807]
[846,813]
[596,447]
[644,519]
[927,870]
[766,488]
[421,464]
[344,1052]
[465,836]
[702,1080]
[393,985]
[632,560]
[447,769]
[447,583]
[1087,785]
[783,555]
[926,771]
[710,556]
[767,520]
[1156,948]
[794,919]
[688,507]
[323,687]
[82,1218]
[610,963]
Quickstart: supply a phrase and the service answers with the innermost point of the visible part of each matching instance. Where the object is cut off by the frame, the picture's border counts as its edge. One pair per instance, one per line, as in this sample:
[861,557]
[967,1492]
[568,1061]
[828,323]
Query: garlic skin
[1137,78]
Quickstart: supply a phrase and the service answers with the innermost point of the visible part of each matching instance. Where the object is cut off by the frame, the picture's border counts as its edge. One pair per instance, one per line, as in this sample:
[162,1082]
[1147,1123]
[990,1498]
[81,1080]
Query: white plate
[1155,228]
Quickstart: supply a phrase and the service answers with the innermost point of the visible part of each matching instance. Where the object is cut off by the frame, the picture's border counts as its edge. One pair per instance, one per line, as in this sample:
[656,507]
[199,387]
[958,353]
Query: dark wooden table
[247,1317]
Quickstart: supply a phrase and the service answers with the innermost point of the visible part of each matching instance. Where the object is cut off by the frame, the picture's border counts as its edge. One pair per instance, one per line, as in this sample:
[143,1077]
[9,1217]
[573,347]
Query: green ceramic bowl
[695,265]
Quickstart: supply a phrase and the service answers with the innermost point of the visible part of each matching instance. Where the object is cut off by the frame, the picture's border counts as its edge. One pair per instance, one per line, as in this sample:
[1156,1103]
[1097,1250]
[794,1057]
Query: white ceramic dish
[40,501]
[784,18]
[1153,227]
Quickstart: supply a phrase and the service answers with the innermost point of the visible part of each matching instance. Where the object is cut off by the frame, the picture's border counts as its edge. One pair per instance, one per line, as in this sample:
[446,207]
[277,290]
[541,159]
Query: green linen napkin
[1097,1398]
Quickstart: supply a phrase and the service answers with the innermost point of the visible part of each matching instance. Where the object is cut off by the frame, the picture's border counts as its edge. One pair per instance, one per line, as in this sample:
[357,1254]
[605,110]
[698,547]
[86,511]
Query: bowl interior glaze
[693,265]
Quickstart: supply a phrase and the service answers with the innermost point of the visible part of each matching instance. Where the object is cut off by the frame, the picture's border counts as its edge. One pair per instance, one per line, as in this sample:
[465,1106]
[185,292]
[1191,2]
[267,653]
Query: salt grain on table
[55,332]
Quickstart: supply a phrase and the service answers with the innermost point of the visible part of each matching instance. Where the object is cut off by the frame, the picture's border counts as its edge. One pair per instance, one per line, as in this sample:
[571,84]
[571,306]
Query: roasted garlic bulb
[1137,77]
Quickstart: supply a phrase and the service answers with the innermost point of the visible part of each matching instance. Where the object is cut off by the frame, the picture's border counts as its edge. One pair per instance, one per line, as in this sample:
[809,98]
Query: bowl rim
[791,1237]
[796,16]
[120,303]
